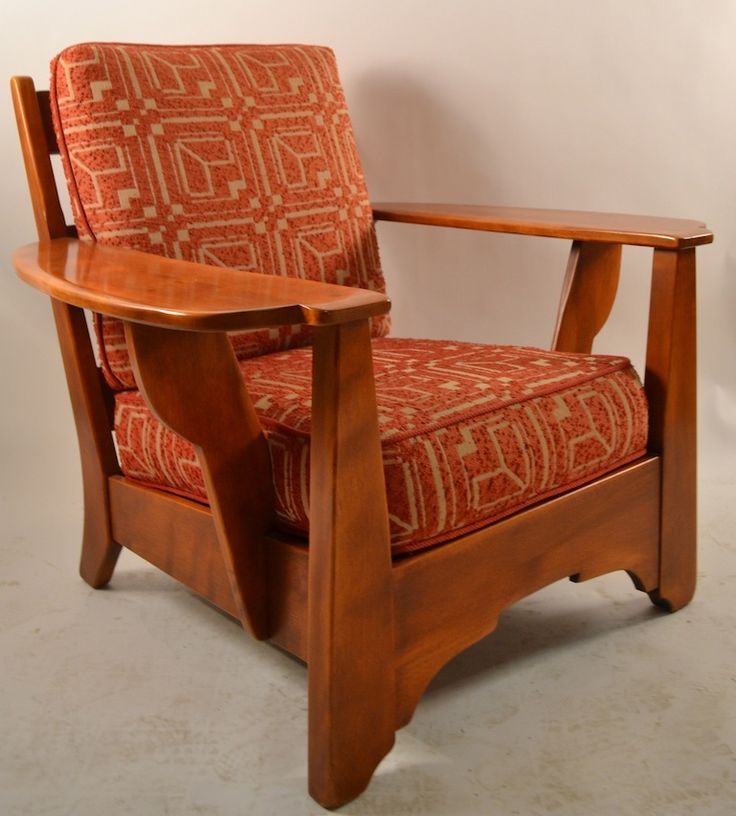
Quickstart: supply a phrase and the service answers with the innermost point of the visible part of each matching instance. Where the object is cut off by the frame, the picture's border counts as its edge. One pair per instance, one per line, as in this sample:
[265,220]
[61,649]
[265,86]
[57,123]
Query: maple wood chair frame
[373,631]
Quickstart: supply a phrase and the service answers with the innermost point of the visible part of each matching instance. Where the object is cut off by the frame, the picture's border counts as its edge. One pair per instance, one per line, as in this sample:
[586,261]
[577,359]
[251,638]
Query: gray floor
[141,699]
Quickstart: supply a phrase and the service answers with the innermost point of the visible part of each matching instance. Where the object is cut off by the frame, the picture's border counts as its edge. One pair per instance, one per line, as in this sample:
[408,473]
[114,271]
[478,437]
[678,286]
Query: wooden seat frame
[372,630]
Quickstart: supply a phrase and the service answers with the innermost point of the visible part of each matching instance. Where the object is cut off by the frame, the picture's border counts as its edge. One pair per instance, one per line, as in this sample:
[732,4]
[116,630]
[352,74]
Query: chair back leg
[92,416]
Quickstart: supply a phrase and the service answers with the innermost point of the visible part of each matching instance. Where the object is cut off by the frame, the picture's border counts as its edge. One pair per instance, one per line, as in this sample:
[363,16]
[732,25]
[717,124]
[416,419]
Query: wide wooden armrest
[614,228]
[176,294]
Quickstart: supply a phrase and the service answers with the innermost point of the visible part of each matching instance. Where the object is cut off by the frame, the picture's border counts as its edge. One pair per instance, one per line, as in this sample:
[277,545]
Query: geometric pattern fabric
[244,156]
[470,433]
[237,156]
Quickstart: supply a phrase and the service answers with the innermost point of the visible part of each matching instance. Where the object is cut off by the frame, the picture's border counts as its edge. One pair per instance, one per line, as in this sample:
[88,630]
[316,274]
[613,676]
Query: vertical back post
[89,395]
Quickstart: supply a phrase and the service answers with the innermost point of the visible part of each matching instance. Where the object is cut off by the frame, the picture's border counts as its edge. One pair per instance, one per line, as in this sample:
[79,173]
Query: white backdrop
[622,105]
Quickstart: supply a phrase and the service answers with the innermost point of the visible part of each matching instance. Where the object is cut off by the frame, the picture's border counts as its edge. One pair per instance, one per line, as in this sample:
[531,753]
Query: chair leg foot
[677,554]
[99,554]
[342,769]
[672,598]
[352,701]
[677,572]
[345,780]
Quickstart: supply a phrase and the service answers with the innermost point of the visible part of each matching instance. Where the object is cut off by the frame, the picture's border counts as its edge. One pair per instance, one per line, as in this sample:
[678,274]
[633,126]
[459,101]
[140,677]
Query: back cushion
[234,155]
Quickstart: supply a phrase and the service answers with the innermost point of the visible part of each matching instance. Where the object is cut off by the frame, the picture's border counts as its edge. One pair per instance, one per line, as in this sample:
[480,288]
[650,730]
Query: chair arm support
[171,370]
[143,288]
[639,230]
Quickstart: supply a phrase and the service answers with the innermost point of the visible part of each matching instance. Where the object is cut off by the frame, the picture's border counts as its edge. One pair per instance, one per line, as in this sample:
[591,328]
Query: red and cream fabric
[238,156]
[470,433]
[243,156]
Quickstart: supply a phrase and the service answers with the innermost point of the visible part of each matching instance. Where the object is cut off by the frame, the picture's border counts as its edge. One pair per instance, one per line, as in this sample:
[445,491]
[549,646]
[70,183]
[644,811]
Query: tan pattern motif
[470,433]
[238,156]
[243,156]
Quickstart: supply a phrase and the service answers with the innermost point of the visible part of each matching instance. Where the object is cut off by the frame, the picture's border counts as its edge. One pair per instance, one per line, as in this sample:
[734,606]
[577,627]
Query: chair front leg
[671,390]
[350,640]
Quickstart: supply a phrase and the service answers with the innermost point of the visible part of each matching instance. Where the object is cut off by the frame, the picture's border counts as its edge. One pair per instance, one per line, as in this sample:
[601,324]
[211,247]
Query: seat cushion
[230,155]
[470,433]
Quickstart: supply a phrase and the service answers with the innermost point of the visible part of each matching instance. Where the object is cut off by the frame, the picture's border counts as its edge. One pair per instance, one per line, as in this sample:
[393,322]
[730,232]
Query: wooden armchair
[373,620]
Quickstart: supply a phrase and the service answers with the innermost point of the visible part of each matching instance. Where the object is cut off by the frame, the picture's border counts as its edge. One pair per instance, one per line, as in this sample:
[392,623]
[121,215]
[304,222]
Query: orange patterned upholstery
[244,156]
[239,156]
[470,433]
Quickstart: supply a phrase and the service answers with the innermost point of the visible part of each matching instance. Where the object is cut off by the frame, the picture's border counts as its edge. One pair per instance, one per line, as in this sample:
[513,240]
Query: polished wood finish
[373,631]
[37,149]
[588,293]
[350,638]
[610,228]
[179,537]
[465,584]
[220,421]
[88,392]
[670,384]
[97,453]
[176,535]
[145,288]
[450,597]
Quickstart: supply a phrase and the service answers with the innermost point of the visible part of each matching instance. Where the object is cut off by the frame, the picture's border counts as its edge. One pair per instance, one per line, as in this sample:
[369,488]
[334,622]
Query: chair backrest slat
[33,116]
[44,107]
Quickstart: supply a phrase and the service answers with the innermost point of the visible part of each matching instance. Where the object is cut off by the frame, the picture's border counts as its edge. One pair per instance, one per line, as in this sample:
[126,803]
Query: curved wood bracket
[588,293]
[192,383]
